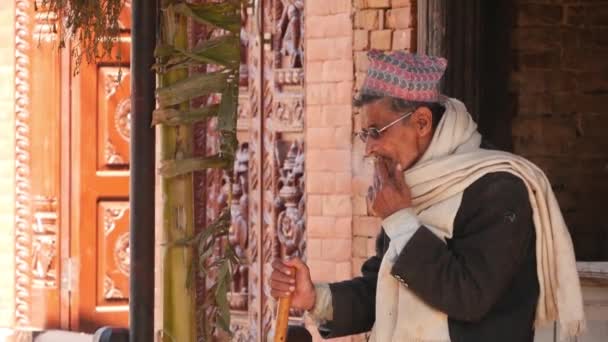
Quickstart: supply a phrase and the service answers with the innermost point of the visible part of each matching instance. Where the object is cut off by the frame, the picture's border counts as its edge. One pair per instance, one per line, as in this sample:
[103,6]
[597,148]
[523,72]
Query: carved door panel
[100,190]
[268,203]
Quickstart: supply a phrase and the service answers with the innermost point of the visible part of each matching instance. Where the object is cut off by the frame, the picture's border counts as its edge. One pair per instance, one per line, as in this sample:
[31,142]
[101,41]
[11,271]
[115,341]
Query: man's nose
[371,146]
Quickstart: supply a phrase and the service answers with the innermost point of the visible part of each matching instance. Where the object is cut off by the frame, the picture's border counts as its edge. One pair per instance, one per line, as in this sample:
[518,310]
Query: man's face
[404,142]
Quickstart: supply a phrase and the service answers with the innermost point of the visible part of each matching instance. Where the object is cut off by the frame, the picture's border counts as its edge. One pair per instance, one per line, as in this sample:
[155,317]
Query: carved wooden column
[37,260]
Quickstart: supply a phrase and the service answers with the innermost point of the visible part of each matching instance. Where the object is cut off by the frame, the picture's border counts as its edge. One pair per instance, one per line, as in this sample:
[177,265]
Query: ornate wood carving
[114,117]
[239,229]
[291,206]
[290,29]
[113,248]
[23,43]
[45,244]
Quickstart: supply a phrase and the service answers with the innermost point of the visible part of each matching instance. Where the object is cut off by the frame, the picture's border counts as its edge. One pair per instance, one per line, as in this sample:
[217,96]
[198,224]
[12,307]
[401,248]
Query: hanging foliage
[92,26]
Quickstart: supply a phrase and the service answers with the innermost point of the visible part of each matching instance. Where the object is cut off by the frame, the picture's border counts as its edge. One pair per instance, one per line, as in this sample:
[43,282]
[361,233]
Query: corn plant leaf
[174,117]
[163,50]
[172,168]
[224,50]
[222,15]
[221,296]
[193,86]
[227,119]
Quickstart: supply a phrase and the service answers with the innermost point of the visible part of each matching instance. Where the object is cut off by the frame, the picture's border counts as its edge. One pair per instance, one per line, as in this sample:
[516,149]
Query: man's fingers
[399,177]
[294,265]
[282,287]
[280,294]
[281,277]
[279,266]
[382,170]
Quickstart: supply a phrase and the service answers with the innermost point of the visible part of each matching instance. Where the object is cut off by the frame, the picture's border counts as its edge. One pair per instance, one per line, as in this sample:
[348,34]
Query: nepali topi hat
[404,75]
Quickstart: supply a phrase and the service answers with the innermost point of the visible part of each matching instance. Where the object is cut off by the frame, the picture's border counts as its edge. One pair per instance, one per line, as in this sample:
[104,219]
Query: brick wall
[7,151]
[560,85]
[384,25]
[329,84]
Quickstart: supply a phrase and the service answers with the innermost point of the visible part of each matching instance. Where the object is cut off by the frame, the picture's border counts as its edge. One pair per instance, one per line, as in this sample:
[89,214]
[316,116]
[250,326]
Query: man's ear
[422,119]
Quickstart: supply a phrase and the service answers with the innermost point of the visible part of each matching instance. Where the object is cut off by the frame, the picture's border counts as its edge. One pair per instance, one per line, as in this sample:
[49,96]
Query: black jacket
[484,278]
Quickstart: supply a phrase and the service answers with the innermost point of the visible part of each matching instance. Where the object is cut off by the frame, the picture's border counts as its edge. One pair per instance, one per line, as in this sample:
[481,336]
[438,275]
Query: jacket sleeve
[465,277]
[354,301]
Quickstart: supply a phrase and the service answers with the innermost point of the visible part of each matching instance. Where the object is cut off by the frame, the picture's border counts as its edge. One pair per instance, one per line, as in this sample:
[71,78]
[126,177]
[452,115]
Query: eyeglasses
[374,133]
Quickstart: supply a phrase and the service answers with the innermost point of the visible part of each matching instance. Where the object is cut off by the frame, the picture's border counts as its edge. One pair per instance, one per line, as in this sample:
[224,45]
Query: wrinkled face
[404,142]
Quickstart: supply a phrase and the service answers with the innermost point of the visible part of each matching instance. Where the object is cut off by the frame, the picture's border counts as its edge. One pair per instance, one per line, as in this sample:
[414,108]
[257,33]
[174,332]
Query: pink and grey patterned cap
[404,75]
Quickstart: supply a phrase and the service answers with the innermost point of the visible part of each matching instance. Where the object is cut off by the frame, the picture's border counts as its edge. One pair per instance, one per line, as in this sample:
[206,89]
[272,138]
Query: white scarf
[452,162]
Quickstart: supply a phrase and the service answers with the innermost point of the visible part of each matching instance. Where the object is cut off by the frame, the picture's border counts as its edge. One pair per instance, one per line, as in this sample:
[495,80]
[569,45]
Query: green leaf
[163,51]
[221,296]
[191,87]
[172,168]
[174,117]
[224,50]
[223,15]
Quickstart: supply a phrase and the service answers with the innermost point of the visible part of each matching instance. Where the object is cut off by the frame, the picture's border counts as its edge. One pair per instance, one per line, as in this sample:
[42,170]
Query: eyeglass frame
[365,132]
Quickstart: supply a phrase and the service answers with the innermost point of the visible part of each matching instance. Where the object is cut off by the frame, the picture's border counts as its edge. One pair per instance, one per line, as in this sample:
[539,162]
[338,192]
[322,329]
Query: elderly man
[473,246]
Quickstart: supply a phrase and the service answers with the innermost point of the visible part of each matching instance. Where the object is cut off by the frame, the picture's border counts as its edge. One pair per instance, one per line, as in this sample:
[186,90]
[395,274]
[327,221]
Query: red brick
[366,226]
[320,226]
[401,3]
[328,160]
[371,247]
[344,270]
[324,7]
[399,18]
[541,81]
[402,39]
[381,40]
[539,14]
[360,40]
[322,270]
[322,49]
[313,204]
[344,227]
[378,3]
[336,71]
[322,138]
[314,117]
[361,61]
[343,183]
[336,249]
[313,248]
[360,206]
[337,25]
[367,19]
[320,182]
[329,93]
[337,115]
[360,246]
[337,205]
[314,72]
[343,138]
[357,264]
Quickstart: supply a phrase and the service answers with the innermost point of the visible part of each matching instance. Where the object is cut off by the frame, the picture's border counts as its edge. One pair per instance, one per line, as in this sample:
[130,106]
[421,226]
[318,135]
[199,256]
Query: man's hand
[292,277]
[389,193]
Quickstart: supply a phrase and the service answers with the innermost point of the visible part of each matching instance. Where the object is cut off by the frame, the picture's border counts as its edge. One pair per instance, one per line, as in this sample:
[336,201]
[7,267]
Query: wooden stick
[280,332]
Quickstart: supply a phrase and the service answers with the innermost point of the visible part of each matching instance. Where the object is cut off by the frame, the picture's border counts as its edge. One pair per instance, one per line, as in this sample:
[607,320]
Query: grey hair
[400,105]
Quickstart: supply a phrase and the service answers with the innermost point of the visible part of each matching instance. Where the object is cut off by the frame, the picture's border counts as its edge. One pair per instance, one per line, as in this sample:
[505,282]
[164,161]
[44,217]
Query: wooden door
[100,117]
[268,202]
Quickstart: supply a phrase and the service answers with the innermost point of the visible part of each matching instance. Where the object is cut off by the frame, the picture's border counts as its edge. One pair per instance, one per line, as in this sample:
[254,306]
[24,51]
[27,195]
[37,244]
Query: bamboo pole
[178,206]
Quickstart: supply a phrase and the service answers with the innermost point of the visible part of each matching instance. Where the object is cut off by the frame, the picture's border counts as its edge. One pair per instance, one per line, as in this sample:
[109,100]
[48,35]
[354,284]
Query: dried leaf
[174,117]
[193,86]
[172,168]
[223,15]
